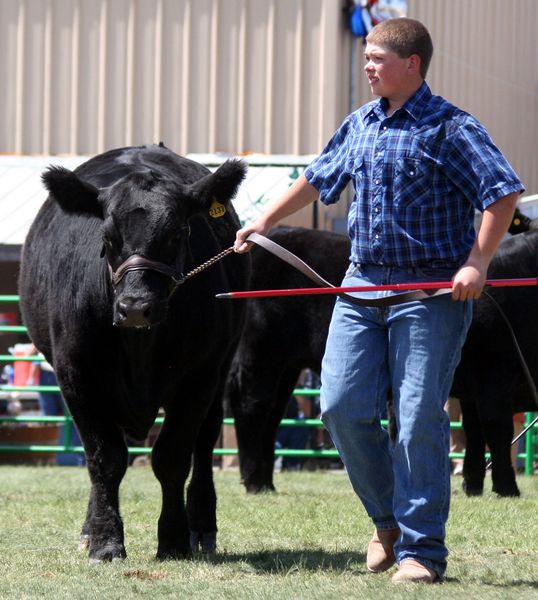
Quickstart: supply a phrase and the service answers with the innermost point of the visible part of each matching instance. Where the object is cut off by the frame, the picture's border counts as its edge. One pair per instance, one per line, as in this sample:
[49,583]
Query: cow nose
[133,312]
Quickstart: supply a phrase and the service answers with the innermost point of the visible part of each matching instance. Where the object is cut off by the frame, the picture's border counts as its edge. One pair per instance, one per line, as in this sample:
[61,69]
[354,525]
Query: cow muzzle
[136,312]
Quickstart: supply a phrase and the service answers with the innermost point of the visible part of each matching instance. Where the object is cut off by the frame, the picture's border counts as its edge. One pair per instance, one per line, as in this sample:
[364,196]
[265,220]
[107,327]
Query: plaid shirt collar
[414,106]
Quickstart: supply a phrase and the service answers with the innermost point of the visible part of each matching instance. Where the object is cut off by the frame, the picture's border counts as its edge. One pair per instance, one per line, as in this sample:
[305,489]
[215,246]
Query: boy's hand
[241,245]
[469,282]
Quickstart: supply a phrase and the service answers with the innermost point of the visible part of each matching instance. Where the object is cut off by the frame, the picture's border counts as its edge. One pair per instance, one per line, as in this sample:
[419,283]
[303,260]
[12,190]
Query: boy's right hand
[241,245]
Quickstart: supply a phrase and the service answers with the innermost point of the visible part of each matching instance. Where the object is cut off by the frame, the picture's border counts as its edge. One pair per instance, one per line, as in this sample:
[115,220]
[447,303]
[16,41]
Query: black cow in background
[282,335]
[101,298]
[489,380]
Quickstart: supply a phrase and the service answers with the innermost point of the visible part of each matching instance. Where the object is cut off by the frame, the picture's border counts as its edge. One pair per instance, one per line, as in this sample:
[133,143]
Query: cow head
[145,230]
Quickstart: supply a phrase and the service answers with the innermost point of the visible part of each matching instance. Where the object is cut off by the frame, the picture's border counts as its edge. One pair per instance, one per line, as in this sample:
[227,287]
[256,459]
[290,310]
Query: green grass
[305,542]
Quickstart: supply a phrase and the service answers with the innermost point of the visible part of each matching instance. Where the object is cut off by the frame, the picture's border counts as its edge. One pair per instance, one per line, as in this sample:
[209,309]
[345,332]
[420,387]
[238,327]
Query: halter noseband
[136,262]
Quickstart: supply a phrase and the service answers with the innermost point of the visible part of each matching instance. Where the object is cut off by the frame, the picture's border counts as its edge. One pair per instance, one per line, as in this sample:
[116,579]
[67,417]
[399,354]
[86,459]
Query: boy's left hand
[468,282]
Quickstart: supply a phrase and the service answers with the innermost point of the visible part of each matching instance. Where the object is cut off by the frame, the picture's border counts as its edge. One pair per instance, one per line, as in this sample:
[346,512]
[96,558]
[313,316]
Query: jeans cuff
[439,568]
[384,523]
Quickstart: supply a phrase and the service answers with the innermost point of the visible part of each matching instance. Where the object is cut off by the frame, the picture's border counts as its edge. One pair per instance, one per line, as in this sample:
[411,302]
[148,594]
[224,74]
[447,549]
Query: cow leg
[171,462]
[85,533]
[106,459]
[474,463]
[257,413]
[201,495]
[498,427]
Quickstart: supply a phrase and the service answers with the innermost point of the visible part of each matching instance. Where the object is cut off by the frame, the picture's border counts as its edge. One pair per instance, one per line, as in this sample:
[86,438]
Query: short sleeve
[477,167]
[327,172]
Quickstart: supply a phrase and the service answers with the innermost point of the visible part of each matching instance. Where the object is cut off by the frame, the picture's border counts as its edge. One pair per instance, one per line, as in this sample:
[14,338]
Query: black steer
[101,299]
[489,381]
[282,335]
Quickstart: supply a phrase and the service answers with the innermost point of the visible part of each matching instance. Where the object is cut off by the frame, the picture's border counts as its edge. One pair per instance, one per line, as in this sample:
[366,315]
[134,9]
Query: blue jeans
[410,351]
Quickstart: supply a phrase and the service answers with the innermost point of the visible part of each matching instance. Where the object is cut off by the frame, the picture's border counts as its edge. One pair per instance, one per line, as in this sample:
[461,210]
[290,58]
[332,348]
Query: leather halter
[136,262]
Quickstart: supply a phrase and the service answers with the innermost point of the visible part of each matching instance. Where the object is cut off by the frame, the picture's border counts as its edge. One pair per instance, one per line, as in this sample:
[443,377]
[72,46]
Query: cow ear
[222,185]
[71,193]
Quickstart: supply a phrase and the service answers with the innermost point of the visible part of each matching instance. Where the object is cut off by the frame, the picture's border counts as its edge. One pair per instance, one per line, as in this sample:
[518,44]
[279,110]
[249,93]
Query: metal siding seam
[185,66]
[19,85]
[158,78]
[322,81]
[101,76]
[74,75]
[269,63]
[213,74]
[47,80]
[129,77]
[297,80]
[241,83]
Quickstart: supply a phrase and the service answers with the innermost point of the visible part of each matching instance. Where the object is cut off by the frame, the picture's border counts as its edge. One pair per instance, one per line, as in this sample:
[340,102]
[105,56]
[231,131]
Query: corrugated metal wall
[270,76]
[202,75]
[486,62]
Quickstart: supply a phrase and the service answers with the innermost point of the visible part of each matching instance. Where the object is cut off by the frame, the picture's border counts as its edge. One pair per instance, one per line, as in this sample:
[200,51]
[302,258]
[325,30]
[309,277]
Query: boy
[419,167]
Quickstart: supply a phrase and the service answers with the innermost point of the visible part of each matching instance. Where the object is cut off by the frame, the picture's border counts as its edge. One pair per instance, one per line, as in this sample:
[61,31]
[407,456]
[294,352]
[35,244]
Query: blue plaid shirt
[418,176]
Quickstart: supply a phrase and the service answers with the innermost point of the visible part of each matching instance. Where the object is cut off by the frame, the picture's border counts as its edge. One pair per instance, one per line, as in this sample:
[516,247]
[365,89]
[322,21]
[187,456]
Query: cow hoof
[84,543]
[472,490]
[506,491]
[173,554]
[253,488]
[203,542]
[93,562]
[108,553]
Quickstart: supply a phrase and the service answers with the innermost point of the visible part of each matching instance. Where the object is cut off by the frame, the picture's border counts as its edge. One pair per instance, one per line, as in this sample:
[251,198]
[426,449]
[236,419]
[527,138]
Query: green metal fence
[529,455]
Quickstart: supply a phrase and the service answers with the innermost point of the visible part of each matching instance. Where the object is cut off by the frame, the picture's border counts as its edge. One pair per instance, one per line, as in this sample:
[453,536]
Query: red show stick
[425,285]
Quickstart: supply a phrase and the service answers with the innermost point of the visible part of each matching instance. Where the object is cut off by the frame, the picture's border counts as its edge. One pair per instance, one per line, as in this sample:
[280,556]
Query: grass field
[305,542]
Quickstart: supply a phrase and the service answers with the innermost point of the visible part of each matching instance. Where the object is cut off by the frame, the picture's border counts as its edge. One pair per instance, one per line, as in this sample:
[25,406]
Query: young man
[419,167]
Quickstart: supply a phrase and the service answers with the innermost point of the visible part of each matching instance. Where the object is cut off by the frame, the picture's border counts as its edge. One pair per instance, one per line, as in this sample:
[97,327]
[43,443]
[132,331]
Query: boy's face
[388,74]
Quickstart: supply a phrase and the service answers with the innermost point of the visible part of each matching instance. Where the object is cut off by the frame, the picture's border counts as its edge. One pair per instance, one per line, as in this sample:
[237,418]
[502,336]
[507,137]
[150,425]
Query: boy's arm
[299,195]
[470,279]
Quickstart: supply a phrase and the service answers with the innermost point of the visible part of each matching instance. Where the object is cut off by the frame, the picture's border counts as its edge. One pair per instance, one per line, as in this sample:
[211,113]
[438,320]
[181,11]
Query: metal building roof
[22,193]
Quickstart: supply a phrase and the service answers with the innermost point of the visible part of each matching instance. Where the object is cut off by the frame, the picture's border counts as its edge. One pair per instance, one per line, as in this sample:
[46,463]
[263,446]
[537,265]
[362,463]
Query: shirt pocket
[414,178]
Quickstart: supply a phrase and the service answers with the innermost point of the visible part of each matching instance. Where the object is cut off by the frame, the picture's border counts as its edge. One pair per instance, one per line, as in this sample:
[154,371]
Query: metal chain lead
[205,265]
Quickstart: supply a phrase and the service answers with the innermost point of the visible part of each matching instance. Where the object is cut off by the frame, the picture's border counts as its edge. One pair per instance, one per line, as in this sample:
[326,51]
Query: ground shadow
[285,560]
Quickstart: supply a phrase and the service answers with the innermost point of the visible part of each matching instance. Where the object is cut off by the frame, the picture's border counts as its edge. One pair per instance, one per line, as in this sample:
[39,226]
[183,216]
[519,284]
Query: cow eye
[108,245]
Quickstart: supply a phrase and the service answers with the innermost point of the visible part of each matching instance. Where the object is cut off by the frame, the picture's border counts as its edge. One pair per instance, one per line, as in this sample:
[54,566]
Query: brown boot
[380,556]
[411,571]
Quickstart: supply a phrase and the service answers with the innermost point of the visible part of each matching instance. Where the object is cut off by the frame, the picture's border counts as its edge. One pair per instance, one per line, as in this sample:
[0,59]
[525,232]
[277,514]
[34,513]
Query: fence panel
[529,455]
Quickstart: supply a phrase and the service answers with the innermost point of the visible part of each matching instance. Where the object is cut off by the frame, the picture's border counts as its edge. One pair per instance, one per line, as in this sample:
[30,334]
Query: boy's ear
[414,63]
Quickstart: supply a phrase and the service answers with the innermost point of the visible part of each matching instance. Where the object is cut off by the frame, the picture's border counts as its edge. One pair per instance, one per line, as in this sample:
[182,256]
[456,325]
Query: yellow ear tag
[217,210]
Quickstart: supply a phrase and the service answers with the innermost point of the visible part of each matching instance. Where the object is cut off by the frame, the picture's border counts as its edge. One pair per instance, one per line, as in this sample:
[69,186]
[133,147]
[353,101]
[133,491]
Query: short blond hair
[404,37]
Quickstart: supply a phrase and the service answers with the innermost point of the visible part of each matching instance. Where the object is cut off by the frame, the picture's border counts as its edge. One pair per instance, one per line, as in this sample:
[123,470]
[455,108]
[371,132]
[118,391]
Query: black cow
[102,298]
[489,380]
[282,335]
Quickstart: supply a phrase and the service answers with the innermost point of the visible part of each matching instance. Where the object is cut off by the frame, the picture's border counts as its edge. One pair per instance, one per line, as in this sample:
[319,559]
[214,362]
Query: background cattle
[100,297]
[282,335]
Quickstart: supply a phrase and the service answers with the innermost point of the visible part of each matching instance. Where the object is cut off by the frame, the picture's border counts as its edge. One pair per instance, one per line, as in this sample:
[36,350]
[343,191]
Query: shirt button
[377,236]
[377,180]
[377,209]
